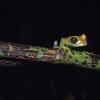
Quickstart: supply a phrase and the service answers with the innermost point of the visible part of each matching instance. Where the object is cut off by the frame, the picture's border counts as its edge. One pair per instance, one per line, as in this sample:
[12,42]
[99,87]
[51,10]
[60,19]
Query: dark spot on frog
[65,45]
[93,65]
[84,62]
[76,60]
[86,57]
[73,53]
[70,56]
[66,50]
[94,62]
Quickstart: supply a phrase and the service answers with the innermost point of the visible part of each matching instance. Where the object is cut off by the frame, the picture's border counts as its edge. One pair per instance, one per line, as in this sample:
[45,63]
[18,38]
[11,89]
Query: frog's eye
[74,39]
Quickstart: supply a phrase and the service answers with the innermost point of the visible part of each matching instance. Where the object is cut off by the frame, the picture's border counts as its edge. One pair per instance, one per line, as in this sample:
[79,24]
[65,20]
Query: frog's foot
[55,44]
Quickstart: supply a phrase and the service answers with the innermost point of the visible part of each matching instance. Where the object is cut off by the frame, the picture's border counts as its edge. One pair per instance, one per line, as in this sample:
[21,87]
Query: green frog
[73,56]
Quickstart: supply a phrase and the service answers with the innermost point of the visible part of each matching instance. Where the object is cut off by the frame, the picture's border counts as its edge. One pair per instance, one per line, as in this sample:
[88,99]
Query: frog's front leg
[55,45]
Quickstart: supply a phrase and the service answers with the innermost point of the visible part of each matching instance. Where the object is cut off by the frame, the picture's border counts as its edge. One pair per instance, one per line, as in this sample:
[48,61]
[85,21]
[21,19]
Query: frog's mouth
[79,48]
[78,44]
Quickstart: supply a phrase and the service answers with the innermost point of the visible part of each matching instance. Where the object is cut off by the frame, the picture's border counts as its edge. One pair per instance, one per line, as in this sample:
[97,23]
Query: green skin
[71,56]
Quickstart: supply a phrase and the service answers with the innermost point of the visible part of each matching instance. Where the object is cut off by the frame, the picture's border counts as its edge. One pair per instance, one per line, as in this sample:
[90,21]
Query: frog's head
[75,41]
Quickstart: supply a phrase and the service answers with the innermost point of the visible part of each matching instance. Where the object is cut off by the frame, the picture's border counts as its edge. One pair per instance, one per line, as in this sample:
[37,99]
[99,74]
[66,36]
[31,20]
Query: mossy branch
[16,52]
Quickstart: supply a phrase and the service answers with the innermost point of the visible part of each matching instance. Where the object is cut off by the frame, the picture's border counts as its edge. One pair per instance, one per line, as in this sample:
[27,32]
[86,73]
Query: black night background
[41,26]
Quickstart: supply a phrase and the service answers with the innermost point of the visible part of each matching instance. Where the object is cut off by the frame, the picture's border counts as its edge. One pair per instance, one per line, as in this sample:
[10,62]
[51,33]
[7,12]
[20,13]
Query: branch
[17,52]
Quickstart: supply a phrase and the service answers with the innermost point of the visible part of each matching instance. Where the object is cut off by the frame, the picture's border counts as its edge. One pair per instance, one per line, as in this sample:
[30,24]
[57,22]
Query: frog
[72,56]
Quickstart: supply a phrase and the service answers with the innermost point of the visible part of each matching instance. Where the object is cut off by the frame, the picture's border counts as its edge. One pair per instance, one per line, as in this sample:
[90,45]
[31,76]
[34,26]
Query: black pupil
[74,39]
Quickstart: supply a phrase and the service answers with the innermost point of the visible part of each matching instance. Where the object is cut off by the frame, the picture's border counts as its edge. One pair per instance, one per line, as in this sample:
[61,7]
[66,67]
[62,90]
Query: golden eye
[74,39]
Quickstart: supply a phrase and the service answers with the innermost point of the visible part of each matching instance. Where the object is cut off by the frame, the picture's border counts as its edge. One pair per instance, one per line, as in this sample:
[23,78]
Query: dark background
[40,26]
